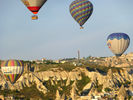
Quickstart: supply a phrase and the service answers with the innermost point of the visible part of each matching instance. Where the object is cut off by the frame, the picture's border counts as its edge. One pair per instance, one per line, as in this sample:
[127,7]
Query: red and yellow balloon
[34,6]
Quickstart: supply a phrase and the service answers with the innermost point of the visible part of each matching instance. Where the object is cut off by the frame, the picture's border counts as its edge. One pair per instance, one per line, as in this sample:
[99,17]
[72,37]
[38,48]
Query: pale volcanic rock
[44,75]
[122,95]
[74,85]
[40,85]
[73,94]
[110,74]
[123,65]
[64,75]
[125,74]
[68,81]
[73,75]
[95,75]
[57,76]
[51,74]
[20,85]
[111,80]
[52,82]
[131,87]
[58,97]
[88,86]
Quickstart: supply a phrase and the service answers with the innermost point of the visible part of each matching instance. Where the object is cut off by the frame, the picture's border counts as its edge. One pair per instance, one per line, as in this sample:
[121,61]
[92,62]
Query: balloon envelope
[34,5]
[81,10]
[118,43]
[12,70]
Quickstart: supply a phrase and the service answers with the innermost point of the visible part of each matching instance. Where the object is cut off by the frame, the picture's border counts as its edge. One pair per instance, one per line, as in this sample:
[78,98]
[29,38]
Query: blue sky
[56,34]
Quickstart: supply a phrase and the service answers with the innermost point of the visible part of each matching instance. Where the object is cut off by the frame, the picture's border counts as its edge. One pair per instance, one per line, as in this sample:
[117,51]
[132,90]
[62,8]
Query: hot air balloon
[81,10]
[12,70]
[118,43]
[34,6]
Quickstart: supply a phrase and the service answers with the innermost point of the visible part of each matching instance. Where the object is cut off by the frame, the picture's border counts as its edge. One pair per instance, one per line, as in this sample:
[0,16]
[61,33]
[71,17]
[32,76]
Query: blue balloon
[118,43]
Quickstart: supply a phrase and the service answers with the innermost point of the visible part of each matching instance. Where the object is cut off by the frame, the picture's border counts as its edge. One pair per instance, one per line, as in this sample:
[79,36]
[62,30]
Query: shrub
[84,81]
[98,86]
[107,89]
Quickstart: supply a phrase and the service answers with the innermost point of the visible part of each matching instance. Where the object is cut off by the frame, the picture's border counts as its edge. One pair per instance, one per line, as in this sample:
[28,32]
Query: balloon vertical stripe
[15,78]
[18,63]
[12,77]
[6,77]
[6,63]
[9,78]
[13,63]
[12,70]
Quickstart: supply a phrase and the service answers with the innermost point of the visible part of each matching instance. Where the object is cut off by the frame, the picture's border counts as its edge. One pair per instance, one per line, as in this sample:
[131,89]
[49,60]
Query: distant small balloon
[34,6]
[12,70]
[81,10]
[118,43]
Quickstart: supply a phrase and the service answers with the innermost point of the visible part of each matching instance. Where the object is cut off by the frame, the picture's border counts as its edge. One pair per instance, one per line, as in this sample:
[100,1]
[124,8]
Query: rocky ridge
[112,80]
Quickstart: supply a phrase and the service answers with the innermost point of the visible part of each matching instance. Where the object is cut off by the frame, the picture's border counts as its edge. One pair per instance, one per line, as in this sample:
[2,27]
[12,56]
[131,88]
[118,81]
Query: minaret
[78,56]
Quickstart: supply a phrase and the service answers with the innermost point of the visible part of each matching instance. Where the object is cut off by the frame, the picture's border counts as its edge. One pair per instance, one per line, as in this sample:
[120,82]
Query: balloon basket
[34,17]
[81,27]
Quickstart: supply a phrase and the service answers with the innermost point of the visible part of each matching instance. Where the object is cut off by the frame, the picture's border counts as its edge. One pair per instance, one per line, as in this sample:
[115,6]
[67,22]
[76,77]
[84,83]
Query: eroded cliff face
[110,80]
[126,60]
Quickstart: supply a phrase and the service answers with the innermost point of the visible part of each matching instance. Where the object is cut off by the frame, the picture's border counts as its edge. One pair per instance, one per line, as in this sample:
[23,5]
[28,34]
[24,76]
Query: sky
[56,34]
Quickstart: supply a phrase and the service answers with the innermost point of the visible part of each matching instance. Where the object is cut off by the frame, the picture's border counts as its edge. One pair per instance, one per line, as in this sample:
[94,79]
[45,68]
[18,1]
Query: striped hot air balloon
[118,43]
[12,70]
[81,10]
[34,6]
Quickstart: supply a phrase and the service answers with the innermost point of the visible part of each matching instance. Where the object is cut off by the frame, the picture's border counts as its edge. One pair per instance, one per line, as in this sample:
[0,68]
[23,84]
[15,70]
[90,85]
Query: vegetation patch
[107,89]
[98,86]
[84,81]
[26,93]
[57,85]
[94,67]
[116,69]
[66,66]
[7,92]
[32,91]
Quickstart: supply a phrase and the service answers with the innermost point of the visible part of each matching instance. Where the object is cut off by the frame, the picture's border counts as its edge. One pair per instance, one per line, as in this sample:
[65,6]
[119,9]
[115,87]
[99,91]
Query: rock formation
[58,97]
[112,80]
[122,95]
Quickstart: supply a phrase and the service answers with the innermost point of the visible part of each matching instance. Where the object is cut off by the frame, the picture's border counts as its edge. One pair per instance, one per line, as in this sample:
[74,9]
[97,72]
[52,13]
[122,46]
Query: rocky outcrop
[126,60]
[111,80]
[58,97]
[122,95]
[73,92]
